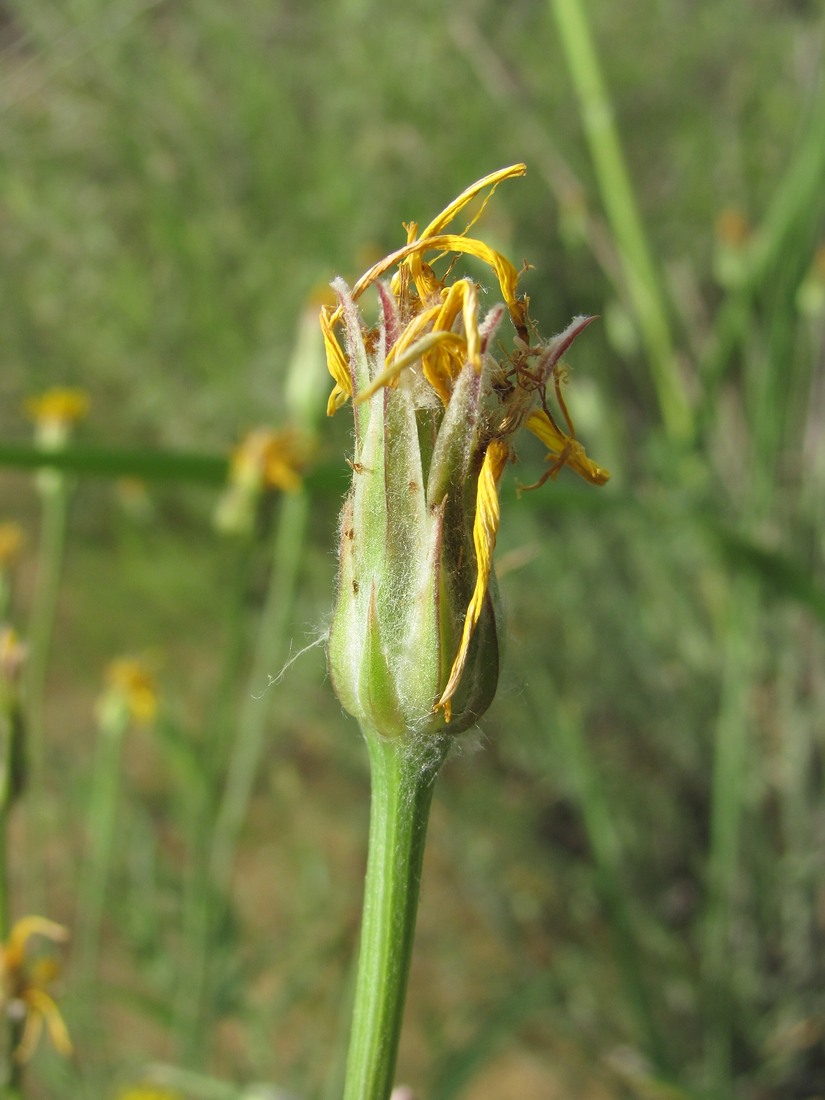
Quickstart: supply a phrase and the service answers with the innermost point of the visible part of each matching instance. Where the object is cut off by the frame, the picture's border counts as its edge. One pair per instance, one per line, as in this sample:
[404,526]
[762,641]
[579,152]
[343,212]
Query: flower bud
[406,568]
[413,645]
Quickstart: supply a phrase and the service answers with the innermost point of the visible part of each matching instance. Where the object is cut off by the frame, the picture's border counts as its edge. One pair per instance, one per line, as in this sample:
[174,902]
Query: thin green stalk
[403,777]
[210,897]
[49,570]
[269,651]
[218,744]
[92,461]
[10,732]
[794,211]
[202,801]
[729,769]
[643,282]
[302,390]
[6,741]
[101,832]
[601,834]
[733,762]
[206,904]
[8,1040]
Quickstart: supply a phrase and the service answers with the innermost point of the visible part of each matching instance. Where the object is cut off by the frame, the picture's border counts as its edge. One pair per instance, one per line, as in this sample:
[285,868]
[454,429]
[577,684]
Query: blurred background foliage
[623,893]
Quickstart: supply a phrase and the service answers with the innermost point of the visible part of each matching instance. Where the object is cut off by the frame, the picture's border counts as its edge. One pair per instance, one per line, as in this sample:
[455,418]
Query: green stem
[205,910]
[403,777]
[643,282]
[569,744]
[50,566]
[101,832]
[730,767]
[6,736]
[199,898]
[254,717]
[10,732]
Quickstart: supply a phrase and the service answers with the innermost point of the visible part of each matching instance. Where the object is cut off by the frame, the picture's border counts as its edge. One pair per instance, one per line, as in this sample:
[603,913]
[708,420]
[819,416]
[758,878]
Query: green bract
[407,561]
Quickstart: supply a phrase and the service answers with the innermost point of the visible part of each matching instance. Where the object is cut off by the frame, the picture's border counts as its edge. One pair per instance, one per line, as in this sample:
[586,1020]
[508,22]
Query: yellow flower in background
[11,543]
[54,412]
[269,459]
[148,1092]
[437,404]
[24,985]
[130,691]
[264,460]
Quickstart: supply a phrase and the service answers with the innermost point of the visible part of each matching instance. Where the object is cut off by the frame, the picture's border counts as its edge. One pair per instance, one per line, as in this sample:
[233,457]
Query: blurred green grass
[636,843]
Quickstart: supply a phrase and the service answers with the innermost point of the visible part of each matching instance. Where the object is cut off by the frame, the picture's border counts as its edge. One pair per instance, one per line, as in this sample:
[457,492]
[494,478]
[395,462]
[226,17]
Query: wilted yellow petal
[435,364]
[22,931]
[492,181]
[566,449]
[462,298]
[24,982]
[505,272]
[485,530]
[337,364]
[32,1030]
[412,355]
[43,1006]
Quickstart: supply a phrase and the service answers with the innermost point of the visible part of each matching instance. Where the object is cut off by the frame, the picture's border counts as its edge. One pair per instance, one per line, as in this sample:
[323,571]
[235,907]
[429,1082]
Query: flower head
[131,692]
[437,405]
[24,985]
[263,460]
[54,412]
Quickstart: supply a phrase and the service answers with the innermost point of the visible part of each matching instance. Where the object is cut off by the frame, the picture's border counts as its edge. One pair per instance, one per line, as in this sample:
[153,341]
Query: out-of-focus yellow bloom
[54,412]
[732,227]
[269,460]
[430,451]
[130,690]
[11,543]
[264,460]
[12,655]
[24,983]
[148,1092]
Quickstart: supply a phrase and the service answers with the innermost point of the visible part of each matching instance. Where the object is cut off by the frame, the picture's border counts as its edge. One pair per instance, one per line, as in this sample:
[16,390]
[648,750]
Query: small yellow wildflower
[264,460]
[269,459]
[11,543]
[54,412]
[148,1092]
[436,405]
[130,690]
[24,983]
